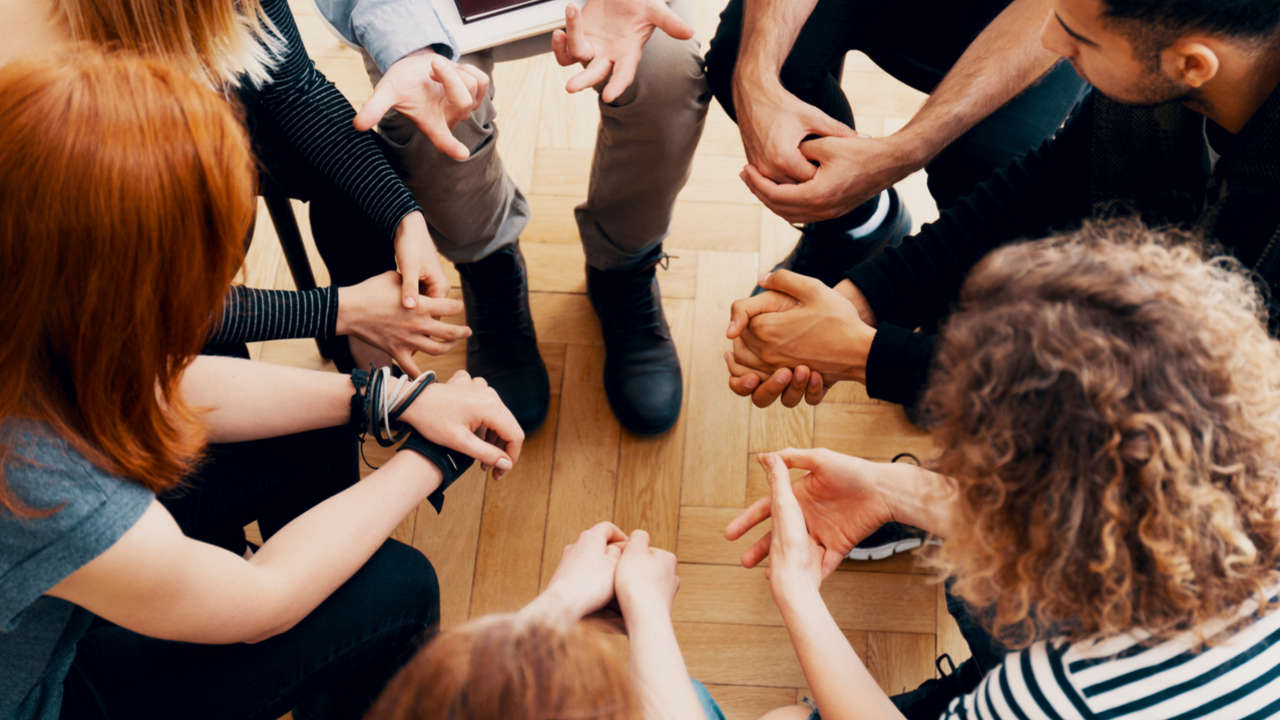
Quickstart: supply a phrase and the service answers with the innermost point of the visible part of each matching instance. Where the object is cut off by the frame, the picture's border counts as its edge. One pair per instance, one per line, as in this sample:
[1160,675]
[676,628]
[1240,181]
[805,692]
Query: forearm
[312,556]
[837,677]
[245,400]
[657,666]
[769,30]
[1005,59]
[256,315]
[918,497]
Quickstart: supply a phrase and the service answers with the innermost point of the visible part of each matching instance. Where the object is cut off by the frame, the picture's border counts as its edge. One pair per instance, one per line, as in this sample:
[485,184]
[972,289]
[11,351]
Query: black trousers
[916,42]
[331,665]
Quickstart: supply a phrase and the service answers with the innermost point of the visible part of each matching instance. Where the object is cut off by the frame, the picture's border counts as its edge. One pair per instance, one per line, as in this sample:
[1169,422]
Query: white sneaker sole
[881,552]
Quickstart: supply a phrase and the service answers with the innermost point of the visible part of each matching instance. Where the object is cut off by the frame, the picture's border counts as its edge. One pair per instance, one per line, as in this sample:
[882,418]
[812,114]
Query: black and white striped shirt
[1237,678]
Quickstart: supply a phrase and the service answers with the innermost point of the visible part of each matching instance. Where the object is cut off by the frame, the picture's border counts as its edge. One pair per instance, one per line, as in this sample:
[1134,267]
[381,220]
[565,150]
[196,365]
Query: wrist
[855,348]
[644,610]
[554,605]
[913,147]
[795,592]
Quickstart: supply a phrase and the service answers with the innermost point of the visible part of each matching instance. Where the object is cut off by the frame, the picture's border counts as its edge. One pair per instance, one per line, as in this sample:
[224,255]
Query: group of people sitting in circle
[1086,333]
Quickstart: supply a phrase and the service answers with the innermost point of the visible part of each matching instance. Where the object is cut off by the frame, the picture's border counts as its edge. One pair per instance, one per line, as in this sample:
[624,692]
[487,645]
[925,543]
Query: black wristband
[451,463]
[359,417]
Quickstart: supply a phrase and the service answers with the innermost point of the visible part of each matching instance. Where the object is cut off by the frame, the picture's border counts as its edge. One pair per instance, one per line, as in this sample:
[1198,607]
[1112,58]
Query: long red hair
[126,190]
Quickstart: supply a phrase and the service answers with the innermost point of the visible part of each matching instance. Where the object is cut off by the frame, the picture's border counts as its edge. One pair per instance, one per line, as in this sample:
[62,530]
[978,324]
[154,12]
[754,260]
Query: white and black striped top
[1235,678]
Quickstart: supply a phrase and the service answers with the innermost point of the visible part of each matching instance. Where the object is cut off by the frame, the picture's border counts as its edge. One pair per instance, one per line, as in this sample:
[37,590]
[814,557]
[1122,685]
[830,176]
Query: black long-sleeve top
[317,120]
[1108,157]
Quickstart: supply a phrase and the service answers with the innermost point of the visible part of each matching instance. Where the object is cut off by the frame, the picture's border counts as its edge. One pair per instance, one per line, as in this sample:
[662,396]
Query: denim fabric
[709,706]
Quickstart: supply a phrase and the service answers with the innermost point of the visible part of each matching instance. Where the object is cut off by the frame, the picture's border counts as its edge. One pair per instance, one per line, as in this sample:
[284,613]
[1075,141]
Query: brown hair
[1108,404]
[215,40]
[509,667]
[126,190]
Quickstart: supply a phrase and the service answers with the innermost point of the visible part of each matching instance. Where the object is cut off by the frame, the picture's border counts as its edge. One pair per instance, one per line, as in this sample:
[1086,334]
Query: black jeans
[917,43]
[331,665]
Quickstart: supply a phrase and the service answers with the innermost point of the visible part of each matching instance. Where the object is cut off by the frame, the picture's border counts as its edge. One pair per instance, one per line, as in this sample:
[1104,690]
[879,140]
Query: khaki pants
[644,148]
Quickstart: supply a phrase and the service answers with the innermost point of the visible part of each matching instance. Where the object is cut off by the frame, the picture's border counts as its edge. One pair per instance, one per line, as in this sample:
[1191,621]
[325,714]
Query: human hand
[373,312]
[838,497]
[432,91]
[773,124]
[851,171]
[584,579]
[608,37]
[796,557]
[802,324]
[466,415]
[646,579]
[418,262]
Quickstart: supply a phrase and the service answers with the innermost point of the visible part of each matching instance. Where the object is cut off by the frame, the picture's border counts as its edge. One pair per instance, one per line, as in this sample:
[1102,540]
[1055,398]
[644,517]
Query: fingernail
[732,325]
[504,464]
[410,302]
[814,380]
[750,382]
[763,279]
[498,475]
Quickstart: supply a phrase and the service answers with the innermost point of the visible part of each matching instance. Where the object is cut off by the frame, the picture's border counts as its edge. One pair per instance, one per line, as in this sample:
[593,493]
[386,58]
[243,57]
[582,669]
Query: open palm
[841,507]
[608,37]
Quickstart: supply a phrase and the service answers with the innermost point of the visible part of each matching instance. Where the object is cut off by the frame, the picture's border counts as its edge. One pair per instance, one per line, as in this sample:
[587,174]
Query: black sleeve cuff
[898,364]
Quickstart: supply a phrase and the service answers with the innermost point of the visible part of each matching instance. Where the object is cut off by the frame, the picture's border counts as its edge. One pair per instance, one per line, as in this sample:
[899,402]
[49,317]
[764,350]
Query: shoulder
[79,511]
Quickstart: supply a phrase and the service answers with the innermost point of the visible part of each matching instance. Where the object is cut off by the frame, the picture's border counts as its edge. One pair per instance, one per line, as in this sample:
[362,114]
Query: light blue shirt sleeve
[389,29]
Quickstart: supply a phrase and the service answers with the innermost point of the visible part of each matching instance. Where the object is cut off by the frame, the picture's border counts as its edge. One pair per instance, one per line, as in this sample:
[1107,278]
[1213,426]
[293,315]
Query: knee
[669,79]
[405,582]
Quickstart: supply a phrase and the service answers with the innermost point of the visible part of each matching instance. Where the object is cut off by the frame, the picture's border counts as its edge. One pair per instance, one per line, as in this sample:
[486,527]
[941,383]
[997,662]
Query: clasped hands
[605,569]
[798,338]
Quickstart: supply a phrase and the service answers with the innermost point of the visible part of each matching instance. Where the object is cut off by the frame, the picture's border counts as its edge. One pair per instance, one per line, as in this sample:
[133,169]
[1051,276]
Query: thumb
[638,541]
[827,126]
[483,452]
[800,459]
[668,22]
[379,104]
[409,285]
[796,285]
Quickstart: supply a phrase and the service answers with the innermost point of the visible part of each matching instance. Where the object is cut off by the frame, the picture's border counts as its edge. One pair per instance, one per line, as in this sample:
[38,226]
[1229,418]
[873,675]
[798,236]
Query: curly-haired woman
[1107,409]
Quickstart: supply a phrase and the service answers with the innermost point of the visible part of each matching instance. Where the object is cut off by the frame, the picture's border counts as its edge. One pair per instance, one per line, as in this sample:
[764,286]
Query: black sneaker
[503,348]
[892,538]
[933,697]
[826,256]
[641,370]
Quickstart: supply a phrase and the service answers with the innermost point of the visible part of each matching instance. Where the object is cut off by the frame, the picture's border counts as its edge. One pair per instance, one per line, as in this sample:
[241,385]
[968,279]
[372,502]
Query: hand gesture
[418,262]
[583,581]
[608,37]
[373,312]
[797,557]
[646,578]
[838,503]
[773,124]
[432,91]
[451,414]
[851,170]
[824,334]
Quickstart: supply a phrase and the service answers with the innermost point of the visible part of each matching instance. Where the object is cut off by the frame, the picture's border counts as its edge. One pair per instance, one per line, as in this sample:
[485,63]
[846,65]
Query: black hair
[1242,19]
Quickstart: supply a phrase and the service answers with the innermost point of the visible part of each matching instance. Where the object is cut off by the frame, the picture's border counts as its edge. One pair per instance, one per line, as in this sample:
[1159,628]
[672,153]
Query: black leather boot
[641,370]
[503,348]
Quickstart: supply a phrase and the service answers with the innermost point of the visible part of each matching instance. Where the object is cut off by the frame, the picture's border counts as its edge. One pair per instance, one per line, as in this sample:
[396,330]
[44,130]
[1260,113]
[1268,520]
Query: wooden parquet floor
[497,543]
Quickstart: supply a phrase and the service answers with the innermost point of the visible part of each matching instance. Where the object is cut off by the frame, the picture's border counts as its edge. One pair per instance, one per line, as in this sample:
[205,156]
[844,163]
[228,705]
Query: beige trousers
[644,148]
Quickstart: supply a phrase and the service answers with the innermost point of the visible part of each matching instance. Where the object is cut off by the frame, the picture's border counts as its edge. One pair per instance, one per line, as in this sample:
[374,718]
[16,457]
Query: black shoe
[503,348]
[826,256]
[891,538]
[931,699]
[641,370]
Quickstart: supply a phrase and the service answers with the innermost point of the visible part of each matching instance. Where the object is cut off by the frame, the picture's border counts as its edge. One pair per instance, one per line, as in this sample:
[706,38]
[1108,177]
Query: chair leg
[295,251]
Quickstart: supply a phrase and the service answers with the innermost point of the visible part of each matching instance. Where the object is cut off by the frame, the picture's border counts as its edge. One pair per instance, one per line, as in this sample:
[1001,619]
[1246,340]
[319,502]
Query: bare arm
[157,582]
[1005,59]
[247,400]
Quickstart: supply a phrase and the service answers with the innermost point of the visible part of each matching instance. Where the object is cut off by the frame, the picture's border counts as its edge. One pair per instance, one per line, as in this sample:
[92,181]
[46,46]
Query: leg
[476,214]
[644,150]
[812,73]
[331,665]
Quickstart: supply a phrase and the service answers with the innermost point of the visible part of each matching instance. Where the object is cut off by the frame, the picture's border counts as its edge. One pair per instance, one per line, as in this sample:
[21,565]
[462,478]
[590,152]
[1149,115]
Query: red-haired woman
[1107,406]
[126,189]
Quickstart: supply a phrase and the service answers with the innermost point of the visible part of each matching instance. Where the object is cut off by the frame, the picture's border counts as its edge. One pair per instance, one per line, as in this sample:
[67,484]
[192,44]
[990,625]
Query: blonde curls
[1109,404]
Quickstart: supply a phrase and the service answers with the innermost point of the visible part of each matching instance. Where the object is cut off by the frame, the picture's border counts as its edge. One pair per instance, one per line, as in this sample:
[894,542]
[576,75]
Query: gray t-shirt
[38,634]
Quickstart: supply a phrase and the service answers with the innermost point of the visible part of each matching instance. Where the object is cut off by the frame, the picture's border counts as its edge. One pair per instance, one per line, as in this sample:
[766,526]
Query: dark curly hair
[1108,404]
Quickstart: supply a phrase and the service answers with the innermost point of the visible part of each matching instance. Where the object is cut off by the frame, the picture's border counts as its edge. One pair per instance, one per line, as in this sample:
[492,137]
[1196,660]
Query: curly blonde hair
[1108,404]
